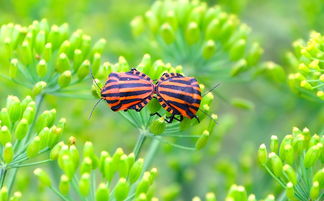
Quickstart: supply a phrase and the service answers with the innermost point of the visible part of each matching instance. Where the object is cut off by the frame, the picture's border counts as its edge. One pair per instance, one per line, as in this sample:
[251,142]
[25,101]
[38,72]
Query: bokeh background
[230,155]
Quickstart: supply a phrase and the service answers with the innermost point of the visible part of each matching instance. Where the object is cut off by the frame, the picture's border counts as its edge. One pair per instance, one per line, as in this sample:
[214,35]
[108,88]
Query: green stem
[30,164]
[139,143]
[59,194]
[151,153]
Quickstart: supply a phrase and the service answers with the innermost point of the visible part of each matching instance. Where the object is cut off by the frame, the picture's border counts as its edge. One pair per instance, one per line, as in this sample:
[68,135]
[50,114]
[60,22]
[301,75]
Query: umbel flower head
[26,134]
[204,39]
[306,64]
[48,59]
[156,126]
[296,163]
[121,175]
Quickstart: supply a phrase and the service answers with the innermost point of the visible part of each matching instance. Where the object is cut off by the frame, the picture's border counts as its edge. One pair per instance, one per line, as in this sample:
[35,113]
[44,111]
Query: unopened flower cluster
[307,67]
[48,59]
[122,175]
[197,36]
[296,163]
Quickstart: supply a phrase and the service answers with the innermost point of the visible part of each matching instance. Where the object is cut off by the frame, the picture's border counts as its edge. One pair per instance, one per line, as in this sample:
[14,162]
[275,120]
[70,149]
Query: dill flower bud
[102,193]
[202,141]
[84,184]
[123,166]
[136,170]
[210,197]
[13,68]
[158,126]
[108,169]
[86,165]
[88,151]
[5,135]
[290,191]
[7,153]
[64,185]
[21,129]
[274,144]
[312,155]
[167,33]
[276,164]
[121,189]
[41,68]
[65,78]
[262,154]
[290,173]
[38,88]
[43,177]
[4,116]
[4,193]
[34,147]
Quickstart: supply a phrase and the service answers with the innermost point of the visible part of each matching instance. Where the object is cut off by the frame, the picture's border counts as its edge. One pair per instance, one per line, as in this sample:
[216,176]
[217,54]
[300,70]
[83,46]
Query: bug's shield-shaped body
[179,95]
[127,90]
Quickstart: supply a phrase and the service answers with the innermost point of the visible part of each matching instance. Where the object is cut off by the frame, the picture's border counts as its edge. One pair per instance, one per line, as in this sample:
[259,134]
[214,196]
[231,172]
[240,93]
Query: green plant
[198,37]
[122,177]
[25,134]
[49,59]
[296,163]
[306,66]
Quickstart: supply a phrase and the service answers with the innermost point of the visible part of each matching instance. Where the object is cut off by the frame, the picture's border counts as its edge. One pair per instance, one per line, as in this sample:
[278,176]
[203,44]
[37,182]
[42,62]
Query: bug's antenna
[94,107]
[208,115]
[94,79]
[217,85]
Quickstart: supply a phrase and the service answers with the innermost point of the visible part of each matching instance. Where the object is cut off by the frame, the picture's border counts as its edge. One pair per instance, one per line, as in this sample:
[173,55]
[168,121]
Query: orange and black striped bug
[179,95]
[127,90]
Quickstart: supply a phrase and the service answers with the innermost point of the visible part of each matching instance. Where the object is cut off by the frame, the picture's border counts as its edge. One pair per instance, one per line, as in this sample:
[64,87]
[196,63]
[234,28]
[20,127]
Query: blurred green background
[275,24]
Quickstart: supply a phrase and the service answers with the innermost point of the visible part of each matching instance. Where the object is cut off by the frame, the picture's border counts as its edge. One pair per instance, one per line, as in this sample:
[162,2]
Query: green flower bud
[75,155]
[274,144]
[34,147]
[270,198]
[108,169]
[47,52]
[13,68]
[84,69]
[288,156]
[262,154]
[312,155]
[44,136]
[85,184]
[4,194]
[315,191]
[137,25]
[85,44]
[116,158]
[319,176]
[99,46]
[64,185]
[43,177]
[21,129]
[242,103]
[54,136]
[62,63]
[287,140]
[167,33]
[96,63]
[290,174]
[252,198]
[290,192]
[102,193]
[152,21]
[65,47]
[131,159]
[136,170]
[40,41]
[121,190]
[65,79]
[237,50]
[212,29]
[154,105]
[77,59]
[54,36]
[157,126]
[202,140]
[192,33]
[276,164]
[88,151]
[38,88]
[75,39]
[210,197]
[196,198]
[143,185]
[102,158]
[123,166]
[41,68]
[299,143]
[5,135]
[68,165]
[141,197]
[8,153]
[314,140]
[212,122]
[4,117]
[56,150]
[86,165]
[239,67]
[26,53]
[237,193]
[14,108]
[17,196]
[254,54]
[209,49]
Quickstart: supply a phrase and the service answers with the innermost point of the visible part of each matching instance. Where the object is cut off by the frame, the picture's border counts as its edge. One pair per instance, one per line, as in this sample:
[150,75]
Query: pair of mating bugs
[177,94]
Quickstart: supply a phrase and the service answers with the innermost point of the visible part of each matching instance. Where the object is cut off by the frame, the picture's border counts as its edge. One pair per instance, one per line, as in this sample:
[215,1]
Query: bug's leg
[197,118]
[170,119]
[156,113]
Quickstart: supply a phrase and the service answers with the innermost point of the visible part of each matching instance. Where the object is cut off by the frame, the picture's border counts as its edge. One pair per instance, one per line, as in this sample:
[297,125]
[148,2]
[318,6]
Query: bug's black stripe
[112,101]
[113,75]
[183,81]
[180,88]
[111,80]
[186,98]
[125,94]
[184,107]
[127,85]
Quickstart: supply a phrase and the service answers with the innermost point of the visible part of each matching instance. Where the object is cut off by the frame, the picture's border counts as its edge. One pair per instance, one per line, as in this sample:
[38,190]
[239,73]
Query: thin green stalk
[139,143]
[151,153]
[30,164]
[59,194]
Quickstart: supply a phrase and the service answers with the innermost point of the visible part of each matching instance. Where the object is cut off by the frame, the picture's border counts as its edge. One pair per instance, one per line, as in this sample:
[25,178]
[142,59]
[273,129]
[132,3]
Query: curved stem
[139,143]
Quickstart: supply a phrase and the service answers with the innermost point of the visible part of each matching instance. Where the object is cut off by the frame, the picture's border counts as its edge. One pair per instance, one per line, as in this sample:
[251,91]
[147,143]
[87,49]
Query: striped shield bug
[127,90]
[179,95]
